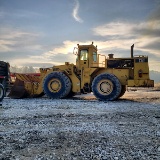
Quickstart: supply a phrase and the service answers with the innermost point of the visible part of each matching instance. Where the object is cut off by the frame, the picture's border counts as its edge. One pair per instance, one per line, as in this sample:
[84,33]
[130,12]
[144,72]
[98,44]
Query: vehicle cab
[87,57]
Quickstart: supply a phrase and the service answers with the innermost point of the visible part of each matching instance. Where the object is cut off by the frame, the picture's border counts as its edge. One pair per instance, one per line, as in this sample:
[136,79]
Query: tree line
[24,69]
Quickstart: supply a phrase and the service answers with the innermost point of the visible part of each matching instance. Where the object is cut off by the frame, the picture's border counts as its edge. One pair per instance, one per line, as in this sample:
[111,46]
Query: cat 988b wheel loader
[107,78]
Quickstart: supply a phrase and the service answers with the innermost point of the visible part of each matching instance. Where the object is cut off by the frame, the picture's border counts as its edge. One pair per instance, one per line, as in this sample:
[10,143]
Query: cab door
[84,60]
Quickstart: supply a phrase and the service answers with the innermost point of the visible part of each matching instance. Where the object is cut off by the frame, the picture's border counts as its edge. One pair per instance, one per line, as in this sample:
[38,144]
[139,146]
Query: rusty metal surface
[27,77]
[18,90]
[25,85]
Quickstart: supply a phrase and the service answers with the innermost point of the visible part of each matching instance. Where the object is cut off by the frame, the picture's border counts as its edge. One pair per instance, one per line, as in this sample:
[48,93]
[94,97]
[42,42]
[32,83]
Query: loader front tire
[123,90]
[106,87]
[2,93]
[56,85]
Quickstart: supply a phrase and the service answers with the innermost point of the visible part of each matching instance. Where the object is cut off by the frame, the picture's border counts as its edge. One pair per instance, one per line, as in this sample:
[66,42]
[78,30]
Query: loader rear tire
[2,93]
[57,85]
[106,87]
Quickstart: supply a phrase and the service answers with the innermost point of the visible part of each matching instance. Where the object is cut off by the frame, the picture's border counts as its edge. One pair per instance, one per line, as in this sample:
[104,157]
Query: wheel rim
[105,87]
[54,85]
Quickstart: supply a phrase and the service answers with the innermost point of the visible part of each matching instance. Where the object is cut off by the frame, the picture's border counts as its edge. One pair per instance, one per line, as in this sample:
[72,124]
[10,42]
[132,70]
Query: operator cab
[87,56]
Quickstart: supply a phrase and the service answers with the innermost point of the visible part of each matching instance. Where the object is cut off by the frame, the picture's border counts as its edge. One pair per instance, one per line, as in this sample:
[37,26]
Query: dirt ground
[81,128]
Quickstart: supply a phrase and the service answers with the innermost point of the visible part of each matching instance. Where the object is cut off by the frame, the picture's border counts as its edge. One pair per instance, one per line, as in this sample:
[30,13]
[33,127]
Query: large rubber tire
[123,90]
[106,87]
[3,69]
[57,85]
[3,73]
[2,93]
[3,64]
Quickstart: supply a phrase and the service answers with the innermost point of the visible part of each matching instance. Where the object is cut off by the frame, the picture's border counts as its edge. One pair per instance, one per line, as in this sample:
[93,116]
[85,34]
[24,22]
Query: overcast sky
[43,33]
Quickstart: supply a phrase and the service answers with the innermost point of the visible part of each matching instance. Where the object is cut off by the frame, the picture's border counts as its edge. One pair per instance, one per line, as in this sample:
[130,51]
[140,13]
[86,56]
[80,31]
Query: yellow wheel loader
[107,77]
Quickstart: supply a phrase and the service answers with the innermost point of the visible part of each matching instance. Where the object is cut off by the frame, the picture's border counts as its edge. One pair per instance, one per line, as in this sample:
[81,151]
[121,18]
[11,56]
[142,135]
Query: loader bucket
[18,90]
[26,85]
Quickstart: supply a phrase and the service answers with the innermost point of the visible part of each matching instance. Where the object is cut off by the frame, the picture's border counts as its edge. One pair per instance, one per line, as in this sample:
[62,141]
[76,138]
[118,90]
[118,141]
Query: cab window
[84,54]
[95,56]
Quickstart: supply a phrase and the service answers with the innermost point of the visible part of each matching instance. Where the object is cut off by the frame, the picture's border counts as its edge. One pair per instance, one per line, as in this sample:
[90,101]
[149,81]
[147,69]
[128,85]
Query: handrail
[140,56]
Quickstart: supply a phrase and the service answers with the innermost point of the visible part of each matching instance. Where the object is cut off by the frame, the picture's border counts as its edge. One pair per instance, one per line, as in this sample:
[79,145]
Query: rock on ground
[81,128]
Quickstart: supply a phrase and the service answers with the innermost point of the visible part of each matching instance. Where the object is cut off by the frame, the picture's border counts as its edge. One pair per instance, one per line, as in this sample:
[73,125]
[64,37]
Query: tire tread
[116,88]
[64,80]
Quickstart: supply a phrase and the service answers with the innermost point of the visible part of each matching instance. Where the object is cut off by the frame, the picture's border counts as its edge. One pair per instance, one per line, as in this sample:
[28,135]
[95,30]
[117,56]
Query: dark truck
[4,78]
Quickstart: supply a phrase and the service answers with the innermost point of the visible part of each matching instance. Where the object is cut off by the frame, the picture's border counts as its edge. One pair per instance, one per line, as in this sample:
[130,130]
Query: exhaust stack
[110,56]
[132,50]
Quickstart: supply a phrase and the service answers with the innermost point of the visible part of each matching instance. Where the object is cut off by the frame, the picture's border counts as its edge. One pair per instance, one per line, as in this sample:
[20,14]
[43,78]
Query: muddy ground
[81,128]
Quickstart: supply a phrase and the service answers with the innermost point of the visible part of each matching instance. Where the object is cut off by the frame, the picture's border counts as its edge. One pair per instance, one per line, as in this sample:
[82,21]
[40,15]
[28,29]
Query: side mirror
[75,51]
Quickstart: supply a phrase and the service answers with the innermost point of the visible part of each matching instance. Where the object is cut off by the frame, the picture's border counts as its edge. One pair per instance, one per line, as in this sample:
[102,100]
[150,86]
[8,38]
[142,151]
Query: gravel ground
[81,128]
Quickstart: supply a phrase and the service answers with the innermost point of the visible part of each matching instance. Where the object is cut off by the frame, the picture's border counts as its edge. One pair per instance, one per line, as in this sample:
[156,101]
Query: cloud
[17,46]
[114,29]
[126,29]
[75,12]
[145,36]
[5,45]
[60,54]
[17,40]
[119,36]
[154,16]
[57,56]
[65,48]
[32,61]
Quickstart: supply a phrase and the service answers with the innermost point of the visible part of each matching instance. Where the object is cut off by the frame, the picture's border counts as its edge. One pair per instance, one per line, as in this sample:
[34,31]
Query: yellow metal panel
[86,76]
[121,74]
[143,66]
[141,83]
